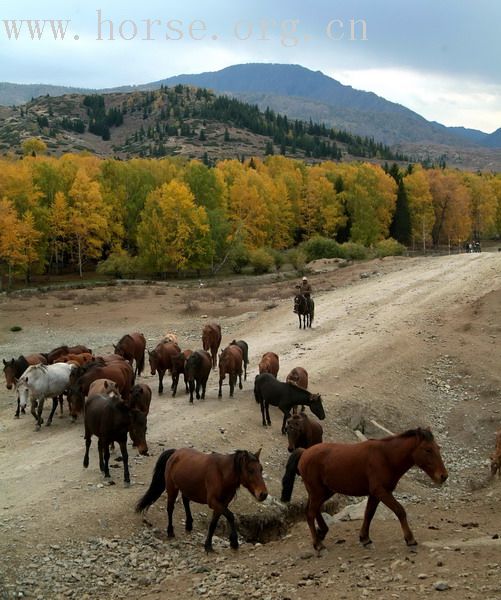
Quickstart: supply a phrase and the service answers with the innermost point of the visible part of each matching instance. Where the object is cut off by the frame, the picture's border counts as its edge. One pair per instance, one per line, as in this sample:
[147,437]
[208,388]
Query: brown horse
[244,346]
[76,359]
[303,432]
[230,363]
[15,367]
[197,371]
[131,347]
[211,340]
[110,419]
[269,363]
[161,360]
[103,386]
[81,378]
[53,355]
[211,479]
[140,397]
[298,376]
[178,368]
[372,468]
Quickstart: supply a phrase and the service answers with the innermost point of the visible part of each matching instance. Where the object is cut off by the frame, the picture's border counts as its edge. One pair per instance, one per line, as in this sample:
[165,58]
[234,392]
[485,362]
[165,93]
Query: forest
[172,216]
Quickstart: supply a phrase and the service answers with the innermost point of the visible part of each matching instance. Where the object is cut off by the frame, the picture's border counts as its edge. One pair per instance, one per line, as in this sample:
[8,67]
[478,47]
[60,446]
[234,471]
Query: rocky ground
[402,342]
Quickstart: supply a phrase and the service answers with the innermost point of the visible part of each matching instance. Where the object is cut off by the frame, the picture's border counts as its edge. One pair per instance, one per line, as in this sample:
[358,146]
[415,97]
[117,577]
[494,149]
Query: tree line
[177,215]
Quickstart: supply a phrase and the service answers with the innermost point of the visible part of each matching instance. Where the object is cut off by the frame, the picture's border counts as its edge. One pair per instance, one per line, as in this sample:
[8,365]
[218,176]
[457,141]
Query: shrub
[118,264]
[261,261]
[278,258]
[389,247]
[297,259]
[322,247]
[354,251]
[239,258]
[16,328]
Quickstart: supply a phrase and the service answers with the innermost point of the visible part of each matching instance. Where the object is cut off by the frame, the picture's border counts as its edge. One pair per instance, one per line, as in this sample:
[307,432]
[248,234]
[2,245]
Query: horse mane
[424,434]
[64,349]
[123,338]
[239,457]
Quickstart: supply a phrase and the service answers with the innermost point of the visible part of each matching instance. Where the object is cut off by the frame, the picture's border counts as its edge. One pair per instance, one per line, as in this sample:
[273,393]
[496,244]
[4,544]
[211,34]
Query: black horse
[304,307]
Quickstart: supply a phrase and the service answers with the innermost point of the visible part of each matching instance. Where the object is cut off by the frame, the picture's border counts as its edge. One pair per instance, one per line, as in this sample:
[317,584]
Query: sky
[441,58]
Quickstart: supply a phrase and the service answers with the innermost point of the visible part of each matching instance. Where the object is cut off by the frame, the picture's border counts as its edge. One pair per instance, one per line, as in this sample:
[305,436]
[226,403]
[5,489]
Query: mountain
[303,94]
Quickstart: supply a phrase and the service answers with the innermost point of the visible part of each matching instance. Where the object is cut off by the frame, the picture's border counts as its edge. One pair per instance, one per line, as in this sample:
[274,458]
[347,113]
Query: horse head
[153,358]
[316,406]
[427,456]
[295,426]
[9,370]
[137,430]
[250,472]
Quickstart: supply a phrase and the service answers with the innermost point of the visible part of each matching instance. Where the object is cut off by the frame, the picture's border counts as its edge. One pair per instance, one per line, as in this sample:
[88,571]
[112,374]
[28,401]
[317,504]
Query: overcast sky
[440,58]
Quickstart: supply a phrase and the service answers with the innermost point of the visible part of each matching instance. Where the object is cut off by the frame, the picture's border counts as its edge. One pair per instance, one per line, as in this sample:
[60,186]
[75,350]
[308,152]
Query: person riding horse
[305,289]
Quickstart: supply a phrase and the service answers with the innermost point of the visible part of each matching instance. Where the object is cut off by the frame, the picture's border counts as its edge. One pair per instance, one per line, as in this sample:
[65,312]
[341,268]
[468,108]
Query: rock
[441,586]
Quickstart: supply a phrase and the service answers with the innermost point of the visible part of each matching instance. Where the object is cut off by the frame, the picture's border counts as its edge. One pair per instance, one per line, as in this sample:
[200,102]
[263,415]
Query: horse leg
[312,512]
[88,439]
[263,414]
[18,408]
[220,393]
[212,527]
[39,413]
[232,380]
[267,407]
[197,390]
[284,422]
[100,451]
[172,493]
[54,406]
[233,533]
[299,317]
[175,379]
[160,381]
[125,460]
[370,509]
[106,461]
[61,402]
[395,506]
[240,387]
[192,387]
[189,519]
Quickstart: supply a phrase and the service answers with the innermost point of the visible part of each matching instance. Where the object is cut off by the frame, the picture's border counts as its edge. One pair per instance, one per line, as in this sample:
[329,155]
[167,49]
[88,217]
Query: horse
[103,386]
[269,363]
[211,479]
[197,371]
[305,310]
[230,362]
[170,338]
[268,390]
[299,377]
[178,367]
[140,397]
[118,370]
[76,359]
[161,360]
[131,347]
[211,340]
[53,355]
[14,368]
[303,432]
[244,346]
[40,381]
[496,456]
[110,419]
[371,468]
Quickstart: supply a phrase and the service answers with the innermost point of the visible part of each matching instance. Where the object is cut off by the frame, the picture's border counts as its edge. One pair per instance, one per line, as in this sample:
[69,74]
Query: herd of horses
[116,407]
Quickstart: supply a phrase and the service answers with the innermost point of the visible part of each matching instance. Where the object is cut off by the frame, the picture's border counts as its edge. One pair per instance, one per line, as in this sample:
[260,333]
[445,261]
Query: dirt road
[405,342]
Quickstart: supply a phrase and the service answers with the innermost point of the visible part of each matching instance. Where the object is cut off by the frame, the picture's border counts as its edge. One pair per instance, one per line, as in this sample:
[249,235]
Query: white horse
[41,381]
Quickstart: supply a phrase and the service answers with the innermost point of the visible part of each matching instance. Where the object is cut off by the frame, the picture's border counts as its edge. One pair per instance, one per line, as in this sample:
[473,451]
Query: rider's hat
[305,279]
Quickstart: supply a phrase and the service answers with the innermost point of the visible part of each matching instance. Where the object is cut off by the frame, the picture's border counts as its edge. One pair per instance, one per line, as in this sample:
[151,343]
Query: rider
[305,289]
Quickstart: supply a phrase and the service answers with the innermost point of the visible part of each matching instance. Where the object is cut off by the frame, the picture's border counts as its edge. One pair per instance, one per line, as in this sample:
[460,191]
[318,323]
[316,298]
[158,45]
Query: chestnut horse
[211,479]
[269,363]
[299,377]
[371,468]
[244,346]
[178,367]
[230,363]
[303,432]
[119,371]
[76,359]
[211,340]
[161,360]
[197,371]
[60,351]
[131,347]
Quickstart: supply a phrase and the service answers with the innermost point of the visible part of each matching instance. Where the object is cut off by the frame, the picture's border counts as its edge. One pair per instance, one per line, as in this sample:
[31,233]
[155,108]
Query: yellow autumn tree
[12,257]
[88,219]
[483,204]
[174,232]
[29,239]
[420,206]
[60,229]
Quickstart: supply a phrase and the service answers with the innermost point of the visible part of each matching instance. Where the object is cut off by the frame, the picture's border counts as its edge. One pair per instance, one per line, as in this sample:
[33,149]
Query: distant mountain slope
[303,94]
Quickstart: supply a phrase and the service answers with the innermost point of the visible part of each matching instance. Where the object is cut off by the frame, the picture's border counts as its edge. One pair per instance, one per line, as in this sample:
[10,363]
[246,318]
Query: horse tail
[157,485]
[140,364]
[257,393]
[290,474]
[312,310]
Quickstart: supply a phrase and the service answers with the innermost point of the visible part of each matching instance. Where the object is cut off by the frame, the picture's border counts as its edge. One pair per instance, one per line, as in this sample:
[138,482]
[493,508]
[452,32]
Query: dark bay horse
[140,397]
[15,367]
[178,368]
[118,370]
[132,346]
[303,432]
[230,363]
[197,371]
[372,468]
[244,346]
[211,340]
[110,419]
[305,310]
[211,479]
[268,390]
[269,363]
[161,360]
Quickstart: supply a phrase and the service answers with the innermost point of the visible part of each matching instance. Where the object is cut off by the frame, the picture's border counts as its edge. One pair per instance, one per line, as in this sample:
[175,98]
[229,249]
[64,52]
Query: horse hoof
[366,543]
[126,484]
[16,416]
[319,546]
[209,549]
[411,543]
[48,424]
